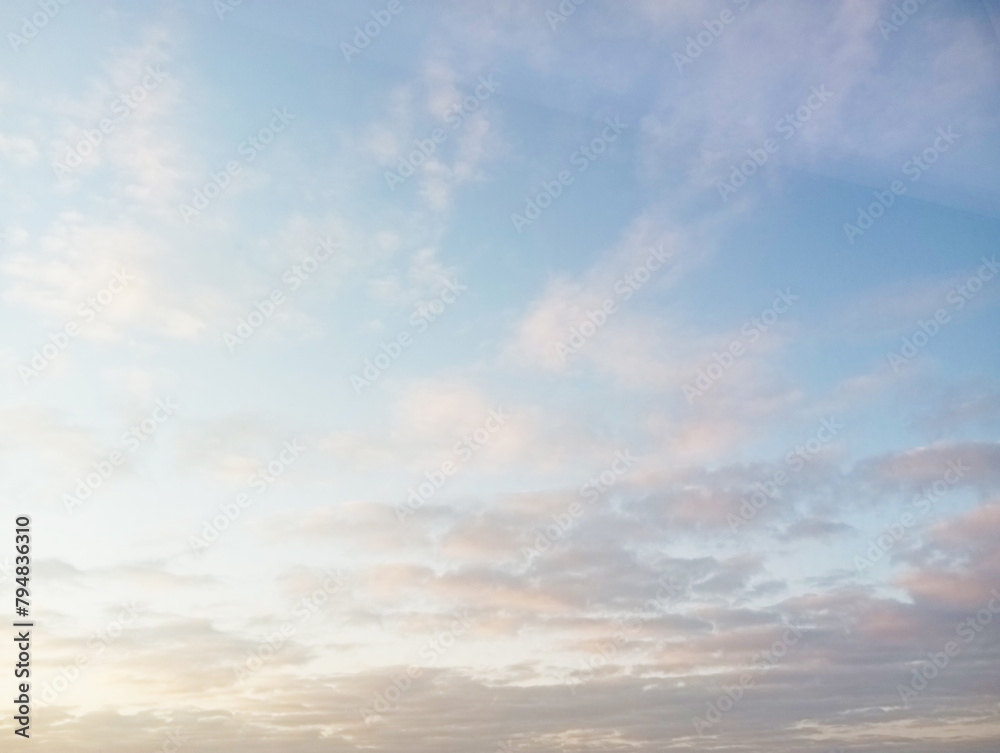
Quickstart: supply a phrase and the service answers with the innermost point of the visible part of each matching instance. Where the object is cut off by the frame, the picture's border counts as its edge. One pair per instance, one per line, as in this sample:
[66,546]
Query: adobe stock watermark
[31,25]
[900,15]
[562,12]
[795,461]
[173,742]
[600,484]
[303,611]
[714,27]
[463,450]
[625,287]
[228,513]
[788,125]
[130,440]
[388,699]
[363,36]
[122,106]
[752,329]
[87,311]
[763,662]
[627,627]
[582,158]
[293,277]
[958,297]
[7,570]
[97,644]
[424,314]
[591,491]
[894,533]
[937,662]
[455,116]
[248,149]
[914,168]
[225,7]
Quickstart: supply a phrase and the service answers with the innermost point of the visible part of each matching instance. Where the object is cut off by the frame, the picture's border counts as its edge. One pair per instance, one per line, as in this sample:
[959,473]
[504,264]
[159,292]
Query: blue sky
[790,305]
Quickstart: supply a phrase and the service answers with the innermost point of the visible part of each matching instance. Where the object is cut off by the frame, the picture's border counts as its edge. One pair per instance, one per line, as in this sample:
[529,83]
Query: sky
[512,375]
